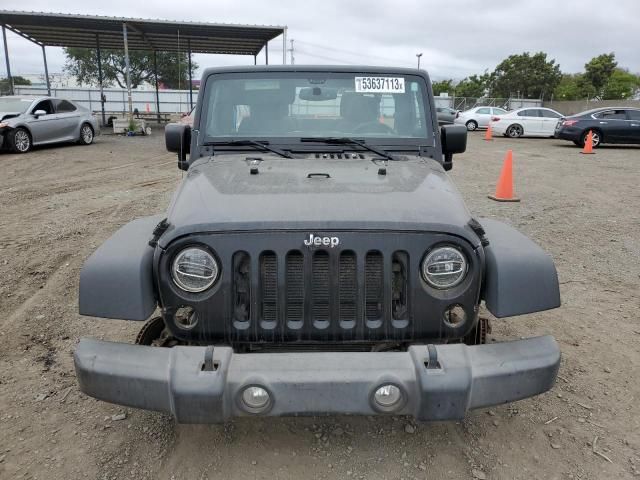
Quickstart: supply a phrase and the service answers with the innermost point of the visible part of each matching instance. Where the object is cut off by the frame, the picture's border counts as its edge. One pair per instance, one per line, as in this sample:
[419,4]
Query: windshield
[314,104]
[18,105]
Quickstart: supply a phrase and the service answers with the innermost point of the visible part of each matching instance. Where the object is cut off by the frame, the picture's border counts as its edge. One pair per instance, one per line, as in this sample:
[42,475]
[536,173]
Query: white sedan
[477,117]
[530,122]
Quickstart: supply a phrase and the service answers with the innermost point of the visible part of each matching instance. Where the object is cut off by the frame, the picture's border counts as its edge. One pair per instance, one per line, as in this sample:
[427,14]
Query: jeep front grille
[321,290]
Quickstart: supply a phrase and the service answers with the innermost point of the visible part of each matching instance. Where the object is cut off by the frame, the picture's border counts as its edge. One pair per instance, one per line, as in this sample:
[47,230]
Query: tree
[599,69]
[573,87]
[173,72]
[526,75]
[621,85]
[443,86]
[5,86]
[473,86]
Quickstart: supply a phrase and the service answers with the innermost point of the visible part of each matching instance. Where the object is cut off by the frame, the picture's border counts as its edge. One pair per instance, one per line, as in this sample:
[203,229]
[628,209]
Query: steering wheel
[373,127]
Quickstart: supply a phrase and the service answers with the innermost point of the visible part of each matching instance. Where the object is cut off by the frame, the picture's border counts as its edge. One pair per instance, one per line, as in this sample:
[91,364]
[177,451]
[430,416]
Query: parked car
[29,121]
[478,117]
[446,115]
[608,125]
[321,264]
[526,122]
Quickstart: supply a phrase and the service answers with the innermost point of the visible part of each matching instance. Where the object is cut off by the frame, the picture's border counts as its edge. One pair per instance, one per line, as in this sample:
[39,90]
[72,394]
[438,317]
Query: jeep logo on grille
[314,241]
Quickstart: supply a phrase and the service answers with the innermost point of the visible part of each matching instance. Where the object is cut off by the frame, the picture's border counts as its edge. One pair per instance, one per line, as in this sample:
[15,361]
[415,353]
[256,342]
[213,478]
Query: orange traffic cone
[588,145]
[488,136]
[504,189]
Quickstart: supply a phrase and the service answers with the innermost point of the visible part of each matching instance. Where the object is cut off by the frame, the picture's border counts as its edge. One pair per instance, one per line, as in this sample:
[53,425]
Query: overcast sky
[457,37]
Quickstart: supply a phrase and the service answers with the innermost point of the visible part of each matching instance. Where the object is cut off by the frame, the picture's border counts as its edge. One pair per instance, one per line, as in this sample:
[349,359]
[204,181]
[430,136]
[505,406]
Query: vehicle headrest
[359,107]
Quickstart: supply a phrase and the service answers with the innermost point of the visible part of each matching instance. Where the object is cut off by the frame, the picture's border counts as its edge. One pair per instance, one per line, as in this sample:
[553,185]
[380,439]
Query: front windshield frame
[14,101]
[203,113]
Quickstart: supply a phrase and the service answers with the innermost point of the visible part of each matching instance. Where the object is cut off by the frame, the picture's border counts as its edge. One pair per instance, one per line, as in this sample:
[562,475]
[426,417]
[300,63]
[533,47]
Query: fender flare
[520,277]
[116,281]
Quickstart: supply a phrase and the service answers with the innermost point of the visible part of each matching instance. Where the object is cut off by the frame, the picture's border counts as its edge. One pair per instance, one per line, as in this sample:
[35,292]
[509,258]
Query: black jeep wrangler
[316,259]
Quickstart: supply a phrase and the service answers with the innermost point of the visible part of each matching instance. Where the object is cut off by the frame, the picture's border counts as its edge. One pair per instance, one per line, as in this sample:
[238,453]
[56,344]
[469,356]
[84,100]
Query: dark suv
[316,259]
[607,125]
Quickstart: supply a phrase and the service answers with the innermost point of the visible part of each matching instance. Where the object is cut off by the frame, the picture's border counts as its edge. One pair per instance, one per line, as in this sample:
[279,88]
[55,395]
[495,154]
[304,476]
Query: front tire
[86,134]
[515,131]
[472,125]
[478,336]
[19,140]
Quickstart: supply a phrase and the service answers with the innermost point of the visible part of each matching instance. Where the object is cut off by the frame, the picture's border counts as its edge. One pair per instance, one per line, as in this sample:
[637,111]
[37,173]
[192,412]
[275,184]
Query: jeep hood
[316,194]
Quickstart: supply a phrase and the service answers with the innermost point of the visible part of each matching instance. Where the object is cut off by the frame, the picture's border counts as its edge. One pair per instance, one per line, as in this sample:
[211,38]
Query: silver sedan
[29,121]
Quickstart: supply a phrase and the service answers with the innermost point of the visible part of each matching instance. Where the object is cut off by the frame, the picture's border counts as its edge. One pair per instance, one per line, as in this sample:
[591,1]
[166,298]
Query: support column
[255,59]
[284,46]
[6,59]
[127,69]
[104,118]
[155,77]
[46,70]
[266,53]
[190,79]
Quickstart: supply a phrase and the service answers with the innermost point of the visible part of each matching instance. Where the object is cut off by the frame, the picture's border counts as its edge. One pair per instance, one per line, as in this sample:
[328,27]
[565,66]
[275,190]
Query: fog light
[388,396]
[256,398]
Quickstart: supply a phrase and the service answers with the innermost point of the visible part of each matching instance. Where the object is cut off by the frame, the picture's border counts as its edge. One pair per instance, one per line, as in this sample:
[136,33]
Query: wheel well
[89,125]
[586,131]
[26,129]
[471,120]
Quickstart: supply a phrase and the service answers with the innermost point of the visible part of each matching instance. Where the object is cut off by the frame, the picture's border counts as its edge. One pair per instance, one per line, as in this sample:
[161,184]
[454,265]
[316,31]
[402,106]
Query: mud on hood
[220,194]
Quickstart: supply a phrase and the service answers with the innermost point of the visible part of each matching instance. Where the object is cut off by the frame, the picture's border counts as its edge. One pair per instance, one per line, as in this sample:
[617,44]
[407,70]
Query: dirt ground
[58,204]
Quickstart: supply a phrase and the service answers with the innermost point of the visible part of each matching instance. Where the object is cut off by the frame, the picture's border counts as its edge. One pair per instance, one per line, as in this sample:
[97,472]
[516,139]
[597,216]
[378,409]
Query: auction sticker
[380,84]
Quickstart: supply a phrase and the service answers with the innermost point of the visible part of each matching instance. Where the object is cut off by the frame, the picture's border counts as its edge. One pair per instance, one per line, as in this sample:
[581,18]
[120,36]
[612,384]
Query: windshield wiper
[349,141]
[263,145]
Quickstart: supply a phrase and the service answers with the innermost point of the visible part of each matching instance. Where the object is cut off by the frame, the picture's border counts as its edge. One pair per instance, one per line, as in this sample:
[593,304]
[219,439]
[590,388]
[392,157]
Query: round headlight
[444,267]
[194,270]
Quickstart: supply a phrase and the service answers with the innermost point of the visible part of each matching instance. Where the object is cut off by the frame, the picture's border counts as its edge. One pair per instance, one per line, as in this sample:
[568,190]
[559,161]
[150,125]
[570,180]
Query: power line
[348,52]
[322,57]
[336,60]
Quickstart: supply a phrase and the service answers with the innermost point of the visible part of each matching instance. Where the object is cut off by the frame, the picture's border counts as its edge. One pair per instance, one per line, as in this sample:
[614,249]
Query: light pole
[418,55]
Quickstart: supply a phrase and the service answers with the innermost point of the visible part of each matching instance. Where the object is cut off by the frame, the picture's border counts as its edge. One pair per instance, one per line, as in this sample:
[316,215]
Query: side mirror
[177,138]
[454,140]
[39,113]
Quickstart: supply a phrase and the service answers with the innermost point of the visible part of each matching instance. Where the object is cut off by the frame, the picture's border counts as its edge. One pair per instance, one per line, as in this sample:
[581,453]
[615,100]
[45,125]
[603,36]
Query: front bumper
[568,133]
[438,382]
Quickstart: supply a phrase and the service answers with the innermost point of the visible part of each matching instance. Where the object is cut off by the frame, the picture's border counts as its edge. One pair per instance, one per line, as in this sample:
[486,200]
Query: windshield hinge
[479,231]
[158,231]
[423,151]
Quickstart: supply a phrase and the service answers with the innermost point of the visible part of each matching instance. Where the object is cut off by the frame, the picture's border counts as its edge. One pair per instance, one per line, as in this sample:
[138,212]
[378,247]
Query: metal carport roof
[64,30]
[90,31]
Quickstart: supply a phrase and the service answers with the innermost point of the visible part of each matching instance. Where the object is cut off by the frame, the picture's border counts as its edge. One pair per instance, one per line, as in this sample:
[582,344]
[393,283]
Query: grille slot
[399,286]
[268,287]
[348,288]
[294,280]
[301,292]
[373,286]
[320,294]
[241,287]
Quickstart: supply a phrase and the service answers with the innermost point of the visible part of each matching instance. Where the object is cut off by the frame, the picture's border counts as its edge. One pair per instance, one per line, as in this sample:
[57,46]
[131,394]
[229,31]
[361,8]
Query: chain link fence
[116,101]
[465,103]
[177,101]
